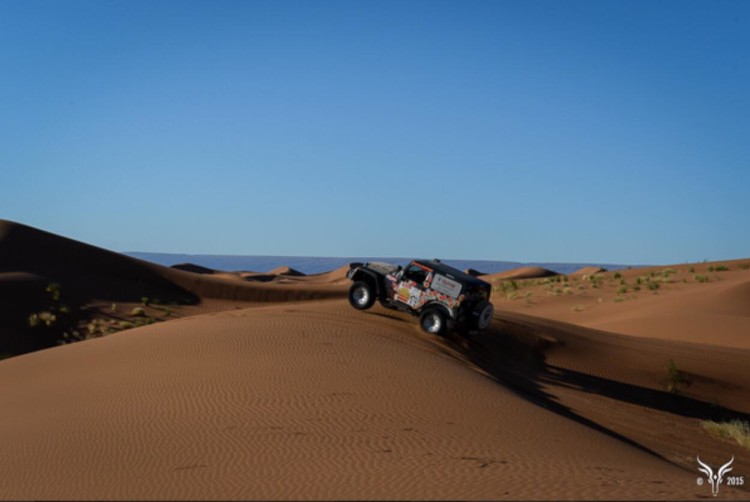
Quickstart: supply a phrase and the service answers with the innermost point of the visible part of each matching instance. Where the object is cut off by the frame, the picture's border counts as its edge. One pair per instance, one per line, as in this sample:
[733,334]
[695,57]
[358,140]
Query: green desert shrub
[737,430]
[675,378]
[55,291]
[39,318]
[138,312]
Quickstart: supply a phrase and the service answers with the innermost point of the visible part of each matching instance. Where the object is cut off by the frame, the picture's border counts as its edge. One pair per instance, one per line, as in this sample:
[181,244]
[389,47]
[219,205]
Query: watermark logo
[715,479]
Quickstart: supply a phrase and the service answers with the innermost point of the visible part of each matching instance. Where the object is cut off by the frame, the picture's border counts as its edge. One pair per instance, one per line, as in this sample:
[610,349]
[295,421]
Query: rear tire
[483,313]
[361,295]
[433,321]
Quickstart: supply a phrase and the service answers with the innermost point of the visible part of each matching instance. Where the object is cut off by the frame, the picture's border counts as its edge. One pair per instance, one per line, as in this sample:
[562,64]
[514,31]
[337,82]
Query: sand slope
[714,312]
[304,401]
[283,391]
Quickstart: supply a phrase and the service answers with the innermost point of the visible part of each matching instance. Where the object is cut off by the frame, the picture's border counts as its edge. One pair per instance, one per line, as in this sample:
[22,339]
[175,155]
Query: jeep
[442,296]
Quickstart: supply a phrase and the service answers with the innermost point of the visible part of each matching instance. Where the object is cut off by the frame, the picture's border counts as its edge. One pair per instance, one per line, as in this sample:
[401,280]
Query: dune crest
[589,271]
[192,267]
[286,271]
[521,273]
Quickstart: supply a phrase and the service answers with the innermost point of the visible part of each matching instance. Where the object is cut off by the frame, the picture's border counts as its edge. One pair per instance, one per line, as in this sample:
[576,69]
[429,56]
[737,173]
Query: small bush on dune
[718,268]
[508,289]
[55,291]
[737,430]
[46,318]
[138,312]
[675,378]
[701,278]
[667,273]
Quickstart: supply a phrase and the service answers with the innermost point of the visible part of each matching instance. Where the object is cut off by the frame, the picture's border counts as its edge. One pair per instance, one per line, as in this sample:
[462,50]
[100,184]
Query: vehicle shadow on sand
[513,354]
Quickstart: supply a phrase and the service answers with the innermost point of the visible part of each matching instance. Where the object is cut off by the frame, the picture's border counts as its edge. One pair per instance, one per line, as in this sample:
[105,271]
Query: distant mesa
[192,267]
[523,273]
[288,271]
[589,271]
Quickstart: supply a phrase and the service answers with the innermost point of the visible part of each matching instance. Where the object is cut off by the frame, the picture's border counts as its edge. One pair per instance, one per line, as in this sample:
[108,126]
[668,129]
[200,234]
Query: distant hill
[316,265]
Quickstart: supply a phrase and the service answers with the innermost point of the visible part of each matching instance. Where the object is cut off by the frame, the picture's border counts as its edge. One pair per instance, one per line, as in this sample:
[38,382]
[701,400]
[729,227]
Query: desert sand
[204,384]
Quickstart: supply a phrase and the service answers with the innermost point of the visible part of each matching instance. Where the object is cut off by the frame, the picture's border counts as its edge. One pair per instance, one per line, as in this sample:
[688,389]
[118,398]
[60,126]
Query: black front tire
[433,321]
[361,295]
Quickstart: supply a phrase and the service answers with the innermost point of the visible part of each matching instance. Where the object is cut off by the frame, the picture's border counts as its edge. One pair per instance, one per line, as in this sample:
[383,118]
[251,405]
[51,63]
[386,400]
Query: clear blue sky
[530,131]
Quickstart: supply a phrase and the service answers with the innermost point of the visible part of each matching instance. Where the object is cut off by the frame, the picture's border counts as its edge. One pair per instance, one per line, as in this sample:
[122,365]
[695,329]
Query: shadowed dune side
[22,293]
[32,259]
[192,267]
[84,271]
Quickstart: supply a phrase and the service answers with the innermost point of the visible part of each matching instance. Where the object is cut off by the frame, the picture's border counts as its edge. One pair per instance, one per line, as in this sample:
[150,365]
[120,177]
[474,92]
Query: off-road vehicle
[442,296]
